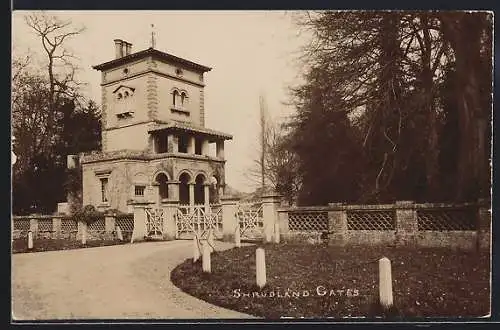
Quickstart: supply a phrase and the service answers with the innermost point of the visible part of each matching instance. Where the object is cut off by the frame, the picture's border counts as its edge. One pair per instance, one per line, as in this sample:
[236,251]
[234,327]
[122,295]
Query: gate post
[229,221]
[139,232]
[406,223]
[270,204]
[169,224]
[337,224]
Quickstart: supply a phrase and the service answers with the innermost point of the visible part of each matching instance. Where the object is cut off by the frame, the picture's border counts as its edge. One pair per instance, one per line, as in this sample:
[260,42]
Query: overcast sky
[251,52]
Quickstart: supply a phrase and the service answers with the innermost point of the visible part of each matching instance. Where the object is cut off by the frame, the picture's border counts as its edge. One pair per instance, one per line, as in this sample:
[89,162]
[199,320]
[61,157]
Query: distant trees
[50,119]
[390,98]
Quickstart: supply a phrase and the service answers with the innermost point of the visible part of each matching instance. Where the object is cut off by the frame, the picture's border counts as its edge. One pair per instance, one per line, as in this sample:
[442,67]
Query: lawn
[20,245]
[319,281]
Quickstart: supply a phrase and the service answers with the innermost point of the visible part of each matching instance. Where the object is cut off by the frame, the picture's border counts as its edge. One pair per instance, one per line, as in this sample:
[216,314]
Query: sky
[251,53]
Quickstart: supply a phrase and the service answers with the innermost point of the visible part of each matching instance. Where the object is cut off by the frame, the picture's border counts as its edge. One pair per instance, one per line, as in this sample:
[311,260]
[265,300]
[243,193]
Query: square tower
[155,146]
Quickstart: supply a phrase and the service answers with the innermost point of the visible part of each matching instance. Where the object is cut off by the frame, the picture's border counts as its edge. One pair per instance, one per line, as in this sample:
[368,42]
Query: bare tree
[61,68]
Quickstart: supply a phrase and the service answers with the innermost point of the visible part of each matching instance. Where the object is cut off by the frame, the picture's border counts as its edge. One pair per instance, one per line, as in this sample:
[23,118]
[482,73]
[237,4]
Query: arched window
[183,99]
[119,95]
[175,97]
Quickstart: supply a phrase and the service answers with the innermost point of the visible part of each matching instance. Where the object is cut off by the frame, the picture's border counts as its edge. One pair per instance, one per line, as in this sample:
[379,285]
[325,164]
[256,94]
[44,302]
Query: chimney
[128,48]
[118,48]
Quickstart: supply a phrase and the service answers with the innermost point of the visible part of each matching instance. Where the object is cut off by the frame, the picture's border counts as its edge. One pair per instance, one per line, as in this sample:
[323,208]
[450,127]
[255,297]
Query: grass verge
[21,245]
[324,281]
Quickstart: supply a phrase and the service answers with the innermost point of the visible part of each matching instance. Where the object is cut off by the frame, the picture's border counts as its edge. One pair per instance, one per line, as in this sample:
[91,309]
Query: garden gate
[250,219]
[197,220]
[154,223]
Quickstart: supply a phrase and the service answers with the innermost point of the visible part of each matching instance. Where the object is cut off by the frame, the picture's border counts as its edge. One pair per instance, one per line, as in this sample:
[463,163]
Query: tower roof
[156,54]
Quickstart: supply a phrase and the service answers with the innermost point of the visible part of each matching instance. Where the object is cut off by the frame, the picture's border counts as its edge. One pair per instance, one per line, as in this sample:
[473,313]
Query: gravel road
[115,282]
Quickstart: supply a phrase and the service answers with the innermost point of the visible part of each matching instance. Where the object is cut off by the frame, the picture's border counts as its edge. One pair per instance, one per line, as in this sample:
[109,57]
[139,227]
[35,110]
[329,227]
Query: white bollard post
[385,283]
[119,233]
[30,240]
[260,267]
[207,267]
[237,237]
[276,233]
[196,249]
[210,240]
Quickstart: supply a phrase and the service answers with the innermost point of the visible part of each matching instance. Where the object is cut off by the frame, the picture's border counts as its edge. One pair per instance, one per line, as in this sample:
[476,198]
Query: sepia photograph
[329,165]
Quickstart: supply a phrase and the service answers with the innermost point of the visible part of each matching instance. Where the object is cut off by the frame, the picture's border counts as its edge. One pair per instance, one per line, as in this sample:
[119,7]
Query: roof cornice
[155,54]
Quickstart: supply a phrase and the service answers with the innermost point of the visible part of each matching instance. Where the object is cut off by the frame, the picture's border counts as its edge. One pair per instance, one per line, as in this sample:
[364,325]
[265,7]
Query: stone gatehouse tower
[155,147]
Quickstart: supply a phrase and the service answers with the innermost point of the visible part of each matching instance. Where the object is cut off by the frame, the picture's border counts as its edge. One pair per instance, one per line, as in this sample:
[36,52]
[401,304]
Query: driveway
[116,282]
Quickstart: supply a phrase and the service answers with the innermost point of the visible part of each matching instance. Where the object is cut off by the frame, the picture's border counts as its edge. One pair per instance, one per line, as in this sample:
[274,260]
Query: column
[56,227]
[283,221]
[169,223]
[205,148]
[139,232]
[229,220]
[220,149]
[109,225]
[191,194]
[337,224]
[270,204]
[34,226]
[173,190]
[191,145]
[155,190]
[206,196]
[173,143]
[406,223]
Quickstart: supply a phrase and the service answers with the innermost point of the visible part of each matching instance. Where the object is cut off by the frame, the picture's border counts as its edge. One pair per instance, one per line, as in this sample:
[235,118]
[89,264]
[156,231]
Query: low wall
[404,223]
[66,227]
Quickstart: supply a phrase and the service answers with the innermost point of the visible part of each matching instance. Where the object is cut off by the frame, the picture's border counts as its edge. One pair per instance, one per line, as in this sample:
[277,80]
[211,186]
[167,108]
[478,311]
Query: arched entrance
[199,193]
[162,180]
[184,188]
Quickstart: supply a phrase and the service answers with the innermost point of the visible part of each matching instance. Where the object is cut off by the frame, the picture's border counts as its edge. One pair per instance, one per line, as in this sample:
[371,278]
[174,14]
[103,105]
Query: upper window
[104,190]
[179,100]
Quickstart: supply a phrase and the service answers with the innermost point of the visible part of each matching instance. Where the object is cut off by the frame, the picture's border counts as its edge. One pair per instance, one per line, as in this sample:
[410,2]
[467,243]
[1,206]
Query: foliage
[49,120]
[88,214]
[388,95]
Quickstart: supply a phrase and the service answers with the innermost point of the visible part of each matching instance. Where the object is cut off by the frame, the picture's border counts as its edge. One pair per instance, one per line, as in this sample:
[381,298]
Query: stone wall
[404,223]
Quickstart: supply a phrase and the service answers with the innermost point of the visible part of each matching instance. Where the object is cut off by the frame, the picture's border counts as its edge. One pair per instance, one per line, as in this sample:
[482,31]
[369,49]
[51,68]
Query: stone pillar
[191,194]
[34,226]
[139,232]
[56,227]
[205,149]
[270,204]
[173,190]
[283,220]
[220,149]
[229,220]
[155,191]
[484,224]
[337,224]
[206,196]
[109,224]
[406,223]
[173,143]
[191,145]
[82,228]
[169,223]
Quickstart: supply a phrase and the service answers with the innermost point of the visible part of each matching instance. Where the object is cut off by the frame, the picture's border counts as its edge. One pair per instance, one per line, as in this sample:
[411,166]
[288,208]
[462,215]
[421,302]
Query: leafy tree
[388,73]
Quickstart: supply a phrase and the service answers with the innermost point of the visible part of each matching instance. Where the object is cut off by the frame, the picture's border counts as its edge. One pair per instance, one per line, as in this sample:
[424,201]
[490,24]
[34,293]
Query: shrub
[88,214]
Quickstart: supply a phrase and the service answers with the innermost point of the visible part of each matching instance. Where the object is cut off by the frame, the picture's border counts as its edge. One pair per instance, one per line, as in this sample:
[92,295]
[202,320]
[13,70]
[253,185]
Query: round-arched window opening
[120,95]
[125,71]
[126,94]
